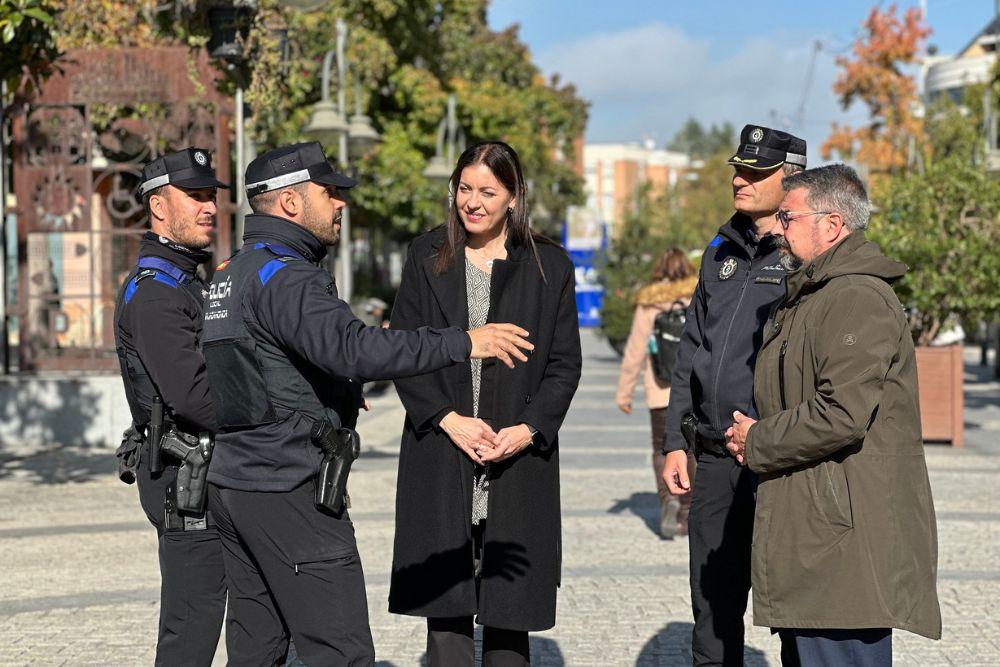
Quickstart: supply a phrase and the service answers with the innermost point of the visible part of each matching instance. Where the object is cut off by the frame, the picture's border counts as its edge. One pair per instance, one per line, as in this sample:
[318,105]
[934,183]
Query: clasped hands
[736,436]
[480,442]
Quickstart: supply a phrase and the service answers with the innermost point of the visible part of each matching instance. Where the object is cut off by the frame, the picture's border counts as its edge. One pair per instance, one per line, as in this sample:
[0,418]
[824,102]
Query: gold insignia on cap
[737,158]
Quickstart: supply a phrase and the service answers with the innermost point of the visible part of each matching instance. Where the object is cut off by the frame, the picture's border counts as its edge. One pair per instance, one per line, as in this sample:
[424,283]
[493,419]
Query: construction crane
[800,114]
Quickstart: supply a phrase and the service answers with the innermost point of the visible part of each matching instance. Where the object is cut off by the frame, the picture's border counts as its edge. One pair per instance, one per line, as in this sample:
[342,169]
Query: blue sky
[646,66]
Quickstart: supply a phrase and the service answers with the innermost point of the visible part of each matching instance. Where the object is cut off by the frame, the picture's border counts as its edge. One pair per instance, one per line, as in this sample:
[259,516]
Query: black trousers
[869,647]
[450,643]
[292,570]
[192,579]
[721,530]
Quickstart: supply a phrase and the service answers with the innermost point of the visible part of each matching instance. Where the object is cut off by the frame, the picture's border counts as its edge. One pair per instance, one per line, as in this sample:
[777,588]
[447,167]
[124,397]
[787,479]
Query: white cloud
[647,80]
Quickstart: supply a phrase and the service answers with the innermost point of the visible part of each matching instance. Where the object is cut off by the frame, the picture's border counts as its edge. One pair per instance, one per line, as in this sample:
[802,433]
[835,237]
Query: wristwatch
[534,434]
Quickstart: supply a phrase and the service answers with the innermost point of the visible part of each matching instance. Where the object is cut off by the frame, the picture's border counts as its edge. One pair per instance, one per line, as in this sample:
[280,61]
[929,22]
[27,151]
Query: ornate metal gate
[79,148]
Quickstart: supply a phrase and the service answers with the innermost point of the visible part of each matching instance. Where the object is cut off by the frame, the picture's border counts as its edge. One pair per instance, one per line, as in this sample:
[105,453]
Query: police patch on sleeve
[728,268]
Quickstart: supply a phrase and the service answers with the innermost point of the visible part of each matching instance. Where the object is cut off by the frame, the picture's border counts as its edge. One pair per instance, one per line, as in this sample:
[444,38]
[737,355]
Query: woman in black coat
[477,499]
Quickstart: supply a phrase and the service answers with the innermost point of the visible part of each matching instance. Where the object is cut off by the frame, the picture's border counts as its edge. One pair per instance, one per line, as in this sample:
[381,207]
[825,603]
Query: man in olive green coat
[845,542]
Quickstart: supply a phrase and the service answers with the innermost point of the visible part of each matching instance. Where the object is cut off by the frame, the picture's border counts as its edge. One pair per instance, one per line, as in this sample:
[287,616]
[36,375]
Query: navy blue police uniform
[283,351]
[158,320]
[740,280]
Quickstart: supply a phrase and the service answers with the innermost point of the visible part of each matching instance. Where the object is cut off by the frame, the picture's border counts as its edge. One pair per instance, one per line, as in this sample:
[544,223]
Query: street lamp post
[450,138]
[327,125]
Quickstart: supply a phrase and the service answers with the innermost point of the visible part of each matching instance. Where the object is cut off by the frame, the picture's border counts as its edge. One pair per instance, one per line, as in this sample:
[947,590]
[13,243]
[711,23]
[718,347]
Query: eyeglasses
[786,217]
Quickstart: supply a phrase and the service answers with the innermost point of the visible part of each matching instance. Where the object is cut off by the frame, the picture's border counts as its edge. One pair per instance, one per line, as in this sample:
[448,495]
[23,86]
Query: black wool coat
[432,568]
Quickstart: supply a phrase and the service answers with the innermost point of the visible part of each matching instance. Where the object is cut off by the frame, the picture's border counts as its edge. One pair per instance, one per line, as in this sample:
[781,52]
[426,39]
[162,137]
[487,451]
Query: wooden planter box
[939,372]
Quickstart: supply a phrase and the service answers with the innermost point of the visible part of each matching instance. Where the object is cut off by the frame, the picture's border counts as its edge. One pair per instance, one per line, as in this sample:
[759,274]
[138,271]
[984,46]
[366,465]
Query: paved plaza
[79,577]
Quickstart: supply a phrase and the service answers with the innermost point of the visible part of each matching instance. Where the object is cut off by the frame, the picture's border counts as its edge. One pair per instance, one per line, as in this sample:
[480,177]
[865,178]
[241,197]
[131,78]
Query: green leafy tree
[944,221]
[29,46]
[686,216]
[691,213]
[407,56]
[627,266]
[945,225]
[698,142]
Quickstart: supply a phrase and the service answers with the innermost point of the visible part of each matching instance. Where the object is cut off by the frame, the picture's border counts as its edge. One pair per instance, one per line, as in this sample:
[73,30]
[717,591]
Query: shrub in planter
[944,225]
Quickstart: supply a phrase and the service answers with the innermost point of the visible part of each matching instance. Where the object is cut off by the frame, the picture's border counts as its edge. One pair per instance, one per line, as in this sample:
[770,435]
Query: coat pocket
[832,494]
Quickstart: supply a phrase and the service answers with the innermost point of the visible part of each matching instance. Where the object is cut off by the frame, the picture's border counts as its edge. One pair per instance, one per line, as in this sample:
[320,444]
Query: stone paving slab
[80,582]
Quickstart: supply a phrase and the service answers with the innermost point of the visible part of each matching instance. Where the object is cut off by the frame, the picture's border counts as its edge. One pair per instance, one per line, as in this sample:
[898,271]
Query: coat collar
[186,259]
[449,287]
[739,230]
[262,227]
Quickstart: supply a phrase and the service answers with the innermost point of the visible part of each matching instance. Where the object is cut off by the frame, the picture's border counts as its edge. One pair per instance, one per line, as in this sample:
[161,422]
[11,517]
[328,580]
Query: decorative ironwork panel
[79,149]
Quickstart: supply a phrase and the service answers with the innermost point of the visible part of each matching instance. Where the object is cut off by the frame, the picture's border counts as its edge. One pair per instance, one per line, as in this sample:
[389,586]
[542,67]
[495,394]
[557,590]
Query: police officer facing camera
[741,278]
[158,319]
[285,353]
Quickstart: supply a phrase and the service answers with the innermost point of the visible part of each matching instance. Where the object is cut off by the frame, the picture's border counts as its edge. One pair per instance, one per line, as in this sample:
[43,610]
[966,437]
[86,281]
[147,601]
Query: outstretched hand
[502,341]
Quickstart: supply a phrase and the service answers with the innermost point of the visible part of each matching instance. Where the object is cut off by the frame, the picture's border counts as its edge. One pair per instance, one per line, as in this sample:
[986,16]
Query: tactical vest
[139,388]
[253,381]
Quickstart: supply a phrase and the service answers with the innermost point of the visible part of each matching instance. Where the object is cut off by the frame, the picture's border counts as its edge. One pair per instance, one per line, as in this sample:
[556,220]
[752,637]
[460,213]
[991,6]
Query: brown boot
[669,512]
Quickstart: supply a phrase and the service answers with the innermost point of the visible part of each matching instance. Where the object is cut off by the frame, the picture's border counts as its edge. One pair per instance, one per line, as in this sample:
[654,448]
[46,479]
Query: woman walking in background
[477,498]
[674,280]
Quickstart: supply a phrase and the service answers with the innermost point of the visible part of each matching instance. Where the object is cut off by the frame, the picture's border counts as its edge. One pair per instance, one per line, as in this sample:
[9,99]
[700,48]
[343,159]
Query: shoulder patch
[716,242]
[133,284]
[165,279]
[267,271]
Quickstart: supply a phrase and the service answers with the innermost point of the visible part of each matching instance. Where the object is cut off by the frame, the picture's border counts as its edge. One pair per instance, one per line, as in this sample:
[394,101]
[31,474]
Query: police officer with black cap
[284,355]
[158,320]
[740,279]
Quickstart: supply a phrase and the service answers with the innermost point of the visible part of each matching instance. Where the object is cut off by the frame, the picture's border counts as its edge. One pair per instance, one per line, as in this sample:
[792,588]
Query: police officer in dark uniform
[158,320]
[740,279]
[285,354]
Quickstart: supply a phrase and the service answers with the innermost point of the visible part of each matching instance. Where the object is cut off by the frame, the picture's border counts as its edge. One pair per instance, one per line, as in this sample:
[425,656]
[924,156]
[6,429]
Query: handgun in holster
[689,429]
[340,446]
[194,452]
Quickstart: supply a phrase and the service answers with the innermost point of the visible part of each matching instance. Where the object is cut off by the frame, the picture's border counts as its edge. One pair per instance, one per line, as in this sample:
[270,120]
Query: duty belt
[715,447]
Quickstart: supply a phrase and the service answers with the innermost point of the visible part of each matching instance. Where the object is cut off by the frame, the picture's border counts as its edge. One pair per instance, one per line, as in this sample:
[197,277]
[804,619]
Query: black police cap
[188,168]
[288,165]
[763,149]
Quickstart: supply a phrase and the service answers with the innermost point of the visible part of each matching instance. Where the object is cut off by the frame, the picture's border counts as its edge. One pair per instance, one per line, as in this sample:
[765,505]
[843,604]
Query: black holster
[341,446]
[689,429]
[194,453]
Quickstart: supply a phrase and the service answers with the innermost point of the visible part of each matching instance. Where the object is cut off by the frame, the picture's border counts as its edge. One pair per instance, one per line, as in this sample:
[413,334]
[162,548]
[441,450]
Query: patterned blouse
[477,284]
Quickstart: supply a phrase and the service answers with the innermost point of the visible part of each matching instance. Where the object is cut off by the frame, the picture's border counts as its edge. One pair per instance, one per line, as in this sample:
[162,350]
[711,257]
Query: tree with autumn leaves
[875,75]
[937,208]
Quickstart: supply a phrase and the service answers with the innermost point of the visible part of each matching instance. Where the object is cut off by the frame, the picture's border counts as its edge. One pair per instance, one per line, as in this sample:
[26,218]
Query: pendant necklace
[486,260]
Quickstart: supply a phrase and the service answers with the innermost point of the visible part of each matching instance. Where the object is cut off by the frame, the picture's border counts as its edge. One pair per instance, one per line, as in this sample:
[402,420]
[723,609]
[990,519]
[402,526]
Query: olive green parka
[845,534]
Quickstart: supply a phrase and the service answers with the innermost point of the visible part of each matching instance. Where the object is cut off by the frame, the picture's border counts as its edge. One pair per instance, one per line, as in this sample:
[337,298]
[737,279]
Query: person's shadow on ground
[65,465]
[545,652]
[644,505]
[671,647]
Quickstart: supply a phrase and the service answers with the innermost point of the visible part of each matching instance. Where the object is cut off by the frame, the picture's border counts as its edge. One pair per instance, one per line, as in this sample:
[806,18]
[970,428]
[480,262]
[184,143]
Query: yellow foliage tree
[875,75]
